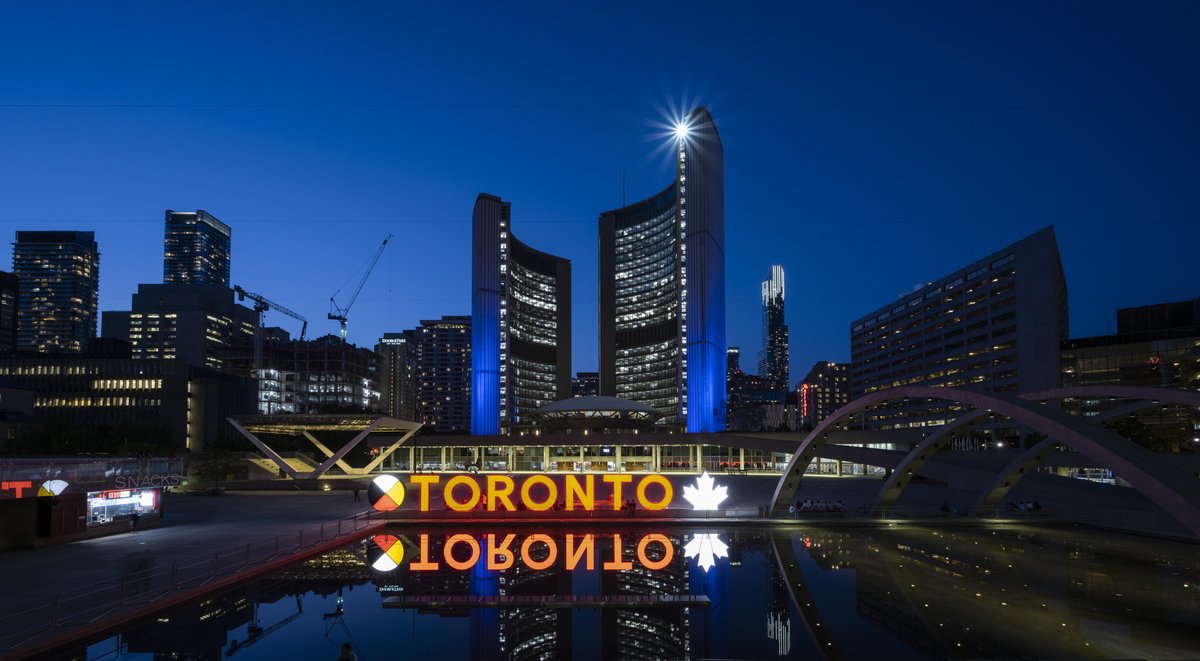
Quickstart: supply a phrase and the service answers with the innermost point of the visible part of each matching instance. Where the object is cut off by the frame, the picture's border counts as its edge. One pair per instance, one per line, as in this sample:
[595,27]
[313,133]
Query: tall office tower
[444,374]
[9,290]
[995,324]
[520,323]
[397,354]
[195,249]
[773,358]
[823,391]
[662,289]
[197,324]
[59,281]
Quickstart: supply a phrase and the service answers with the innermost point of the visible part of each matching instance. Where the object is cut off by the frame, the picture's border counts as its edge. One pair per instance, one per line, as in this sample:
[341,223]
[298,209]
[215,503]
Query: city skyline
[861,176]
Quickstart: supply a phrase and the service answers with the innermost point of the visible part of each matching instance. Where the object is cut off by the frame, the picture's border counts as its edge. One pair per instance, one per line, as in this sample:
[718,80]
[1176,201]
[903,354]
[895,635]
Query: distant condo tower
[196,249]
[520,323]
[773,358]
[662,289]
[58,276]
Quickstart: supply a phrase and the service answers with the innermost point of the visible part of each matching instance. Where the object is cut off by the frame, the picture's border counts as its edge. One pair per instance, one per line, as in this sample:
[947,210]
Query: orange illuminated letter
[617,562]
[617,481]
[447,551]
[585,494]
[423,564]
[550,558]
[668,551]
[588,546]
[500,487]
[551,496]
[494,552]
[424,481]
[448,493]
[668,492]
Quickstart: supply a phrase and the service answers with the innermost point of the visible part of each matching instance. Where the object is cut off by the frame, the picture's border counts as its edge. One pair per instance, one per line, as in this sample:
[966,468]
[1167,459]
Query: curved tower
[662,289]
[520,323]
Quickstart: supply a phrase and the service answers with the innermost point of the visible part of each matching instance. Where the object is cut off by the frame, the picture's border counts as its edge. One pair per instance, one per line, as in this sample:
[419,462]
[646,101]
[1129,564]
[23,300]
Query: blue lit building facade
[520,323]
[662,289]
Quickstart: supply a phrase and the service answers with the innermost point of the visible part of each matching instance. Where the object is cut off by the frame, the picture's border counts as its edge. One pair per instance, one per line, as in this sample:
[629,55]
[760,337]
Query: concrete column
[699,457]
[512,457]
[443,466]
[412,460]
[620,462]
[742,458]
[545,458]
[839,468]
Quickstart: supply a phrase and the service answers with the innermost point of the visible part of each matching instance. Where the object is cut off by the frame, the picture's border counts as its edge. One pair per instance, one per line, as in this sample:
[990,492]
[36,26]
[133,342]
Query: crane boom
[261,305]
[339,313]
[265,304]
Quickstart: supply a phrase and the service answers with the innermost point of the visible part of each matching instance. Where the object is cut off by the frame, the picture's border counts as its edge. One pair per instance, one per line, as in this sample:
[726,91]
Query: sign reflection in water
[907,592]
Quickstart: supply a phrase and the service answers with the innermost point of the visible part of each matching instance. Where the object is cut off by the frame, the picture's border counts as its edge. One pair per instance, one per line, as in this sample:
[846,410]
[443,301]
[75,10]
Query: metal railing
[150,583]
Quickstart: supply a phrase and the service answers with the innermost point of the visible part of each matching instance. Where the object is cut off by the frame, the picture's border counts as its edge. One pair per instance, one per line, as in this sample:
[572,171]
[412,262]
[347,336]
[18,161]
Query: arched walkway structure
[1169,487]
[994,493]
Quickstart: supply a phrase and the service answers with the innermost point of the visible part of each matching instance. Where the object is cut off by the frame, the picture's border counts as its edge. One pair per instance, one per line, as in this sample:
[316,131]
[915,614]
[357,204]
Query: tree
[213,464]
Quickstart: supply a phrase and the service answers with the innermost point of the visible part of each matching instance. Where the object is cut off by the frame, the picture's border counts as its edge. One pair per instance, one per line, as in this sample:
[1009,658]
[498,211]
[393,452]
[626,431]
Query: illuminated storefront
[122,504]
[62,499]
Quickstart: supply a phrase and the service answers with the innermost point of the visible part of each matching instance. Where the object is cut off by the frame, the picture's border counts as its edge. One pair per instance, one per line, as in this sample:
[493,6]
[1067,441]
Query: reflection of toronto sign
[539,493]
[539,551]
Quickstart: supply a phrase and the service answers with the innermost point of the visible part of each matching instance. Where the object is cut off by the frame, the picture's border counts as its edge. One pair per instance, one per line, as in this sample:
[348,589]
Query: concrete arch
[1170,488]
[936,442]
[994,492]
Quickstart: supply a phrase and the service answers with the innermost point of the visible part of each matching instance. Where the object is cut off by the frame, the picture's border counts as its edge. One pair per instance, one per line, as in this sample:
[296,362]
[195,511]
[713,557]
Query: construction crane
[261,305]
[339,313]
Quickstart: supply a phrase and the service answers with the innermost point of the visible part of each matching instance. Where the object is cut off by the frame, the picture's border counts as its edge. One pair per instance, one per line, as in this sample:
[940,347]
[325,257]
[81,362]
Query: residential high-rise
[59,281]
[397,354]
[520,323]
[995,324]
[662,289]
[197,324]
[773,357]
[823,391]
[444,374]
[9,290]
[195,249]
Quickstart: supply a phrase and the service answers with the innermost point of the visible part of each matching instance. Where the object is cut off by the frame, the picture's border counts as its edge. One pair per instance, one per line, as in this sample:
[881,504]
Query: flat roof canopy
[296,425]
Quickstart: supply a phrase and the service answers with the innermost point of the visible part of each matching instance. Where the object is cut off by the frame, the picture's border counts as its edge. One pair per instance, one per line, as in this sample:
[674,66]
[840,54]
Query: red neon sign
[18,486]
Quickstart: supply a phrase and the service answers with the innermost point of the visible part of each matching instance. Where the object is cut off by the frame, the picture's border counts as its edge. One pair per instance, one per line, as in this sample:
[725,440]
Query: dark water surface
[898,592]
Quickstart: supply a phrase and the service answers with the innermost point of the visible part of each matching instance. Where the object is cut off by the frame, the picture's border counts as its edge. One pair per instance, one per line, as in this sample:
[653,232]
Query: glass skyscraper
[520,323]
[662,289]
[773,357]
[59,279]
[196,249]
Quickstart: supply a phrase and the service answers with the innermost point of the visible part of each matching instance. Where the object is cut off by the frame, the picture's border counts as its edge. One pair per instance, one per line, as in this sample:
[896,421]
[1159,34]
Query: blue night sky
[868,146]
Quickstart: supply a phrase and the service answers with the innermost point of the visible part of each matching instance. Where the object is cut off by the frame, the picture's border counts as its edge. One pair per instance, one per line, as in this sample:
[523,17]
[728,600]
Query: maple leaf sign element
[705,495]
[706,548]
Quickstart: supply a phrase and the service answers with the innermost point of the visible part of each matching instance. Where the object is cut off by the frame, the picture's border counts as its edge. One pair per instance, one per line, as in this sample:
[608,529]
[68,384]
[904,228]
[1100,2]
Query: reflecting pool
[905,591]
